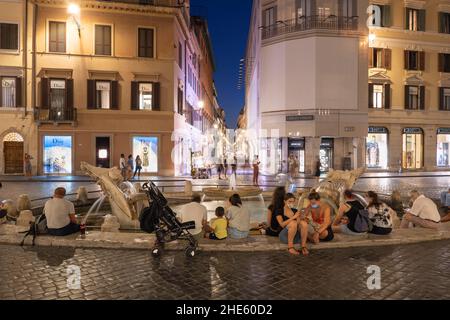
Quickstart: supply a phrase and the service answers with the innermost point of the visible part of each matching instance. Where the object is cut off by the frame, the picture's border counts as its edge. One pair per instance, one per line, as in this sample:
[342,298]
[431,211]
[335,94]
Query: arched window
[13,137]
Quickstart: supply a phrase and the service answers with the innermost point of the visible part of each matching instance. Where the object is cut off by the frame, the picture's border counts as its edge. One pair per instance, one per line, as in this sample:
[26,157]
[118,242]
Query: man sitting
[445,200]
[60,215]
[424,213]
[197,212]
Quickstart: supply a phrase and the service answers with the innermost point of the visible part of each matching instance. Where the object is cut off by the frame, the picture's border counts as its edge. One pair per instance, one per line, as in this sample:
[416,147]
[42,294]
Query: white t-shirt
[426,209]
[194,212]
[123,163]
[239,218]
[57,213]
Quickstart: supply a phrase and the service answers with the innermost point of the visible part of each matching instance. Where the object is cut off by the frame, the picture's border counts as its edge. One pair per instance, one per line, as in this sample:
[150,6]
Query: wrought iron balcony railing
[55,116]
[304,23]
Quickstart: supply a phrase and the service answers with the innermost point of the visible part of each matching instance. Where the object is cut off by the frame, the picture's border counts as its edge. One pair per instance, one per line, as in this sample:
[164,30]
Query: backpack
[362,222]
[38,227]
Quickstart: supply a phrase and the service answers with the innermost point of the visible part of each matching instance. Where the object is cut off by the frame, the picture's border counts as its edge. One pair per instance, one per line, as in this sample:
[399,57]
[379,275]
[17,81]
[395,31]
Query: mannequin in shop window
[373,153]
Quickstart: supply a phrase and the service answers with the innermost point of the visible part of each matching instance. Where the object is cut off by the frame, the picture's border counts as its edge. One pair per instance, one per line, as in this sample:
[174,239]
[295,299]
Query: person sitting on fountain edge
[218,228]
[197,212]
[60,215]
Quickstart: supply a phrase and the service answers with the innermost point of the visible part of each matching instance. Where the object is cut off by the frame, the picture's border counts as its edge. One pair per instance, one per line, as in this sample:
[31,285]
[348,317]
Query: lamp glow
[372,37]
[201,104]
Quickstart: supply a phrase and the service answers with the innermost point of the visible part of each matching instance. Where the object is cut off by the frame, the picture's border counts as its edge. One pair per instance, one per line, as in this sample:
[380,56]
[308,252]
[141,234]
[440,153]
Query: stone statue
[125,200]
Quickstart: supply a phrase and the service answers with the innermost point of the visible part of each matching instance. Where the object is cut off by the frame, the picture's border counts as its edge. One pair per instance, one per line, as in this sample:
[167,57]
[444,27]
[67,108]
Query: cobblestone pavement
[407,272]
[431,186]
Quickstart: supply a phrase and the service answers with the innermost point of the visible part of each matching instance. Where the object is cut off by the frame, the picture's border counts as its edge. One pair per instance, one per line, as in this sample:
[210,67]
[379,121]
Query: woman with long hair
[238,218]
[277,203]
[380,215]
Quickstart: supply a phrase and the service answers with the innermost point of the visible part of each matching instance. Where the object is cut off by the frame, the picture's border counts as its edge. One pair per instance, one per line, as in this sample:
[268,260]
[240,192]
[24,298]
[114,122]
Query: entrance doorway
[13,153]
[326,154]
[103,152]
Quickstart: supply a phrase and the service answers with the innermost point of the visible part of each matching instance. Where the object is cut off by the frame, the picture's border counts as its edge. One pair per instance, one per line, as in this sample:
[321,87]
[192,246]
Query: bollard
[82,195]
[111,224]
[10,208]
[188,188]
[25,218]
[23,203]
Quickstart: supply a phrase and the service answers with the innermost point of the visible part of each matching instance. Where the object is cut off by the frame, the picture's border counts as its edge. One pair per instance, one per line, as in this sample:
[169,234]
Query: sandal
[304,251]
[295,251]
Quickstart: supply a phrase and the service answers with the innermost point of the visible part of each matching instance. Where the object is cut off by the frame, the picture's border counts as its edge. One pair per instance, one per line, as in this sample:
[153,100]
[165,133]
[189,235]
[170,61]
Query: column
[430,148]
[312,153]
[395,147]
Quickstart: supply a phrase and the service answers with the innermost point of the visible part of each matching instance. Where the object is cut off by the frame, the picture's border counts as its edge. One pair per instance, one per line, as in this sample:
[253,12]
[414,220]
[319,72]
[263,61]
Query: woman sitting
[288,220]
[238,219]
[346,217]
[273,228]
[318,220]
[380,215]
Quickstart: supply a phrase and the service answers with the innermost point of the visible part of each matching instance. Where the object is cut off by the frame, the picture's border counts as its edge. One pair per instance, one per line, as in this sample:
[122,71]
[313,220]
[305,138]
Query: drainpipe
[25,59]
[33,61]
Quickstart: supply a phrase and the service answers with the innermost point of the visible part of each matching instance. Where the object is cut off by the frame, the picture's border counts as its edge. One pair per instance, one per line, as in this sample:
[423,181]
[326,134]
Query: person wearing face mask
[318,220]
[293,231]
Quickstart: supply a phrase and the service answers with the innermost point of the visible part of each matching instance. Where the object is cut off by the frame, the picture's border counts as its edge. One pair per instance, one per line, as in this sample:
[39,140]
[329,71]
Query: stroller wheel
[191,252]
[156,252]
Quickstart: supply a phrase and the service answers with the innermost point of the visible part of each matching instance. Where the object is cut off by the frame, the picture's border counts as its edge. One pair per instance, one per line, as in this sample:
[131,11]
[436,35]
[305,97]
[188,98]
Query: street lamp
[74,10]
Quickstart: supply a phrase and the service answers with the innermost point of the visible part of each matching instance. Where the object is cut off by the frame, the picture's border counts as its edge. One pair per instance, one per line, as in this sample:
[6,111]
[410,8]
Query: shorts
[212,236]
[234,233]
[284,236]
[328,238]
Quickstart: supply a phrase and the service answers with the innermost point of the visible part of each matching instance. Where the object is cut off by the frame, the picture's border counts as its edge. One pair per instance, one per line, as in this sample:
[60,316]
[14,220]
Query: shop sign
[412,131]
[378,130]
[300,118]
[296,144]
[443,131]
[57,84]
[103,86]
[327,143]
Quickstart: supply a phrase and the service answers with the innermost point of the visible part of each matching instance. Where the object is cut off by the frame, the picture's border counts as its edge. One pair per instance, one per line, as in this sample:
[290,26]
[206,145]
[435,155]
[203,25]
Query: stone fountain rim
[243,192]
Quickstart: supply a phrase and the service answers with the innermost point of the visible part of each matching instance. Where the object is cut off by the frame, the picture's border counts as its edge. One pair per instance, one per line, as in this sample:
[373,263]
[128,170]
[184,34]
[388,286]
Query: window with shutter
[444,99]
[9,36]
[9,93]
[387,58]
[103,40]
[57,36]
[444,22]
[146,41]
[156,96]
[45,92]
[385,16]
[387,96]
[422,97]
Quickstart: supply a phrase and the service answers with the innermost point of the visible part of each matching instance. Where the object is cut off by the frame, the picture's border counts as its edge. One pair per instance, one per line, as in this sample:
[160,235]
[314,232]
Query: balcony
[52,116]
[305,23]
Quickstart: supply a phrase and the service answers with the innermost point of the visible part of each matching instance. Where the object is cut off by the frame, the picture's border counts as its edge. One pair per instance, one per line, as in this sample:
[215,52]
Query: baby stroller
[161,220]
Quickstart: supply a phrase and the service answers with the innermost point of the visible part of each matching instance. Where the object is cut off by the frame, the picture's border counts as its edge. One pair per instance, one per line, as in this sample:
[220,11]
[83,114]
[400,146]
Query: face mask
[315,206]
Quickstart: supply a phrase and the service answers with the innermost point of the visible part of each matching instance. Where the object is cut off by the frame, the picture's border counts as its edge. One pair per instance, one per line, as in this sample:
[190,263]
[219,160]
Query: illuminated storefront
[326,154]
[147,149]
[377,148]
[297,149]
[57,154]
[412,157]
[443,147]
[271,155]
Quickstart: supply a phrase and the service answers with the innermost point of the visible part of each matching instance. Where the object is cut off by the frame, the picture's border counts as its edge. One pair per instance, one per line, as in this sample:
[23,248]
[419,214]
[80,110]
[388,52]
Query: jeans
[418,222]
[284,237]
[347,231]
[71,228]
[234,233]
[445,199]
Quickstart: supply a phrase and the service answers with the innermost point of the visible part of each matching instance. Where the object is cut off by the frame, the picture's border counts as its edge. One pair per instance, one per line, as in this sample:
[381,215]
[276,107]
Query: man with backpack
[352,218]
[60,215]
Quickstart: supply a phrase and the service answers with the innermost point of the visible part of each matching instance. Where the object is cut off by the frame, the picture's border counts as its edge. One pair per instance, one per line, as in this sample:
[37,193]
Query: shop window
[443,147]
[377,148]
[147,149]
[57,154]
[412,148]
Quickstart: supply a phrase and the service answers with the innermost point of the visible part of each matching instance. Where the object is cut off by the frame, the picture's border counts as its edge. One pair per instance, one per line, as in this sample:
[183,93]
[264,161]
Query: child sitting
[218,228]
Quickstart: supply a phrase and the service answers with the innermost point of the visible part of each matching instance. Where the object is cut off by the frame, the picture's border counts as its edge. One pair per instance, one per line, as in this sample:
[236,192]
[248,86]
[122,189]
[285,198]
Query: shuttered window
[415,60]
[380,58]
[444,62]
[415,19]
[444,99]
[103,40]
[103,94]
[145,96]
[180,55]
[9,36]
[57,36]
[379,96]
[414,97]
[444,22]
[146,42]
[8,93]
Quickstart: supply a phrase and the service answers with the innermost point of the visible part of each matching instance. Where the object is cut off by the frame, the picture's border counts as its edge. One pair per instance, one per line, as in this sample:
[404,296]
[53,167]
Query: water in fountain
[95,207]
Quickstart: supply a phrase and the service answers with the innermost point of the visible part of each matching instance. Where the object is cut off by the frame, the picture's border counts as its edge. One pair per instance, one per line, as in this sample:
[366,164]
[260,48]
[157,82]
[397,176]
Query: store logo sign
[300,118]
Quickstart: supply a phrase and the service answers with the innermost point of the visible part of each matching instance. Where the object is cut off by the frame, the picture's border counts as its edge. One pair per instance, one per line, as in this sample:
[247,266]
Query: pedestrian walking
[130,167]
[234,166]
[123,166]
[27,165]
[256,164]
[225,167]
[138,169]
[318,172]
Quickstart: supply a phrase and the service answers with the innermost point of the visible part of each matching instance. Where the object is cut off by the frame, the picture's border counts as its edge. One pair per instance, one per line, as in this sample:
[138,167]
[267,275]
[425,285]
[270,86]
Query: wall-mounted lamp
[74,10]
[372,38]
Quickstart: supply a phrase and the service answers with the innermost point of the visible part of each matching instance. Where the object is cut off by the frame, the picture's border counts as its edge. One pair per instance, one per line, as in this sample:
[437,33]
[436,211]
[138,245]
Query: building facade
[17,130]
[409,86]
[117,77]
[306,93]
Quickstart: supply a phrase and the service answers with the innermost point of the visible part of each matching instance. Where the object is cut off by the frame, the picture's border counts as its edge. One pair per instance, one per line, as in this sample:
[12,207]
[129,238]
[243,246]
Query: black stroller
[161,220]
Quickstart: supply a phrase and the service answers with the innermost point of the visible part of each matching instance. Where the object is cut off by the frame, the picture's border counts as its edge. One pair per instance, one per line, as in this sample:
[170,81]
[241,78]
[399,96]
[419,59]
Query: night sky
[228,23]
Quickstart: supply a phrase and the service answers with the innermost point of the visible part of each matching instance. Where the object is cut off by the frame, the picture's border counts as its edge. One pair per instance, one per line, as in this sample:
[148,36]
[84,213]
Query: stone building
[306,91]
[409,86]
[17,131]
[117,77]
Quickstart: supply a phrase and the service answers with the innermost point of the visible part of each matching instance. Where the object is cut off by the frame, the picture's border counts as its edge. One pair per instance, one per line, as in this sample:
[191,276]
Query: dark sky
[228,23]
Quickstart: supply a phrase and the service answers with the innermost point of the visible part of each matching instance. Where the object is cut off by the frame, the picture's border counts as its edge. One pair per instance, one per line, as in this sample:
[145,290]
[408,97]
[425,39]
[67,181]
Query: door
[13,152]
[103,152]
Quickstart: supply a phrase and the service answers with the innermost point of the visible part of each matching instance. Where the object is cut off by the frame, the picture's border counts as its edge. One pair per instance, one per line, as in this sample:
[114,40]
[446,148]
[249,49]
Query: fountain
[125,200]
